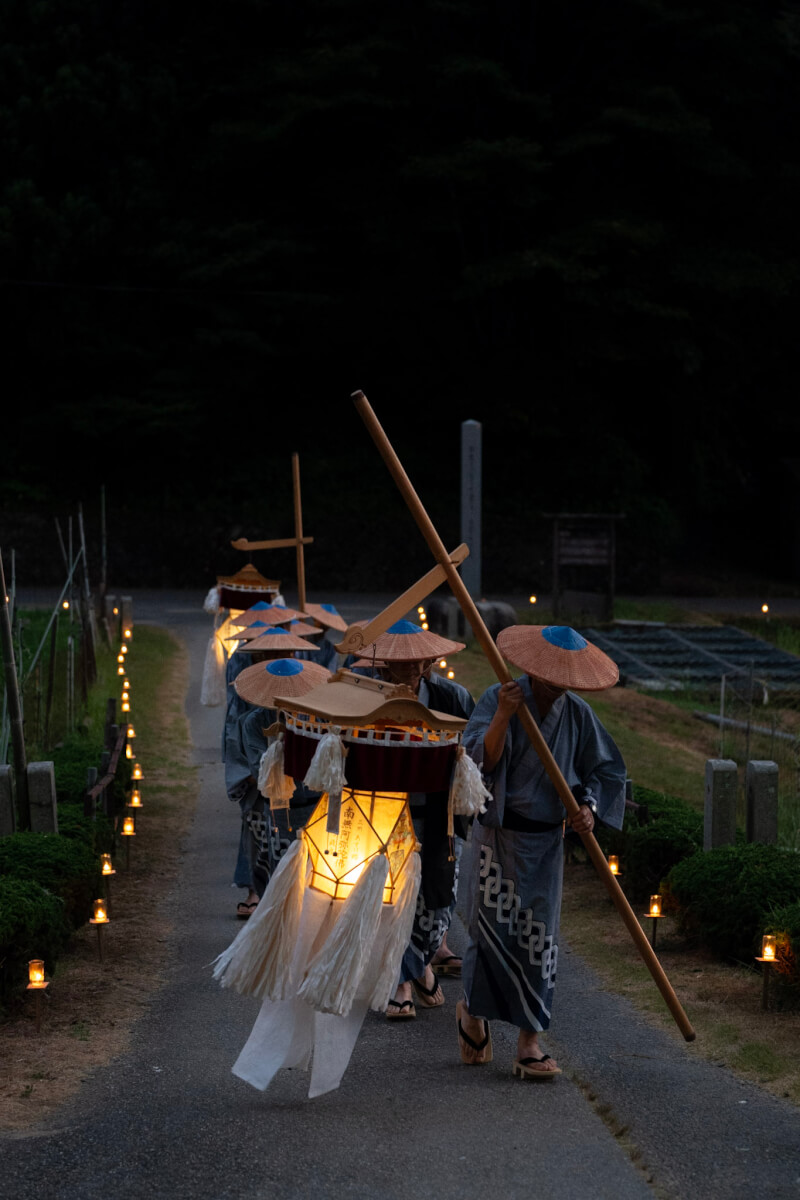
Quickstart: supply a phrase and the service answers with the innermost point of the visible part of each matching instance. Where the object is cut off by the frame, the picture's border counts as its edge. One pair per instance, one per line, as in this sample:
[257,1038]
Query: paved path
[169,1119]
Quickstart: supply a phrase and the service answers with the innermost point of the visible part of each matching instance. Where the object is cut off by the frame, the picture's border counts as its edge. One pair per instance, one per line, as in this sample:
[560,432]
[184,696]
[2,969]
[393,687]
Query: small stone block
[762,801]
[8,812]
[719,826]
[42,797]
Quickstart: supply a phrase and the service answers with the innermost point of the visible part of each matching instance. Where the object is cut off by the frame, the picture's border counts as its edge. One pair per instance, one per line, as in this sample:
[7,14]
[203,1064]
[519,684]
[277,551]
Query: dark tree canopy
[575,223]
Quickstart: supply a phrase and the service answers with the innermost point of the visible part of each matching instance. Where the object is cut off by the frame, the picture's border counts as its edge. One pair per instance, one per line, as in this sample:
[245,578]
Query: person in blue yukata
[515,875]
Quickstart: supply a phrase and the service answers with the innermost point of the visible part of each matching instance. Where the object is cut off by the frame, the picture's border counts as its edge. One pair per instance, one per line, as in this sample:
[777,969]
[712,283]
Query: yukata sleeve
[237,768]
[601,768]
[473,743]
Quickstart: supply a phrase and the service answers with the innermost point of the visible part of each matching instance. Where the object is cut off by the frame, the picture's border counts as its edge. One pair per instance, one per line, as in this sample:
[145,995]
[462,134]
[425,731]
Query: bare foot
[477,1031]
[429,993]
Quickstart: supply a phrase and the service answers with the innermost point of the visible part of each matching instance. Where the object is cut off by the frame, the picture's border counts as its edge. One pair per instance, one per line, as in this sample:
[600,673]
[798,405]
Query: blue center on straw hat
[284,666]
[330,608]
[404,627]
[564,637]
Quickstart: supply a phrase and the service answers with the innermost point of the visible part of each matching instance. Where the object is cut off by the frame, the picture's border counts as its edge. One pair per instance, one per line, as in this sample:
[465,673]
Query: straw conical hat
[276,639]
[559,656]
[406,642]
[247,632]
[303,629]
[253,613]
[268,614]
[327,615]
[289,676]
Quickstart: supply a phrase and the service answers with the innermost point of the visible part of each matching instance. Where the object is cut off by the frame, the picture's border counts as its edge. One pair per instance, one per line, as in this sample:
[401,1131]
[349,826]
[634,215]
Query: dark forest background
[576,223]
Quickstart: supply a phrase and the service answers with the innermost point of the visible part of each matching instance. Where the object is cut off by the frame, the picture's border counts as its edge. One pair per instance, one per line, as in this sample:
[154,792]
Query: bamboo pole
[298,533]
[498,665]
[14,705]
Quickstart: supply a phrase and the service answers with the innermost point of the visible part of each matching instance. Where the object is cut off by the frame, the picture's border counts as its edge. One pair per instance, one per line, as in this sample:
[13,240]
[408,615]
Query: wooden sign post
[298,541]
[498,664]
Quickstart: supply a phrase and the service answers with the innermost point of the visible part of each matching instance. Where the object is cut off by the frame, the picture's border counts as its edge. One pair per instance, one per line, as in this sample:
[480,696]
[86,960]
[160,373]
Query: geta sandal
[449,965]
[403,1010]
[426,995]
[523,1068]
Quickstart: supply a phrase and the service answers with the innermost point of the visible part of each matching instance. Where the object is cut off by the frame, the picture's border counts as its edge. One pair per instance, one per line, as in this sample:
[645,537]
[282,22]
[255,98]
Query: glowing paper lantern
[613,864]
[137,772]
[136,799]
[128,827]
[371,823]
[106,866]
[655,906]
[769,946]
[100,913]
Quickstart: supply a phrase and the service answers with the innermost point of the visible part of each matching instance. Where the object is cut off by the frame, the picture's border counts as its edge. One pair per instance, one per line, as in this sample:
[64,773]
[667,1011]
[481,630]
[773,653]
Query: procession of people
[502,863]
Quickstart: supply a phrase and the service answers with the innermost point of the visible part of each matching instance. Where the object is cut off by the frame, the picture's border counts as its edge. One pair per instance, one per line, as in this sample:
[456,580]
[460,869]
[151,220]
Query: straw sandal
[483,1048]
[523,1069]
[426,995]
[449,965]
[244,910]
[403,1010]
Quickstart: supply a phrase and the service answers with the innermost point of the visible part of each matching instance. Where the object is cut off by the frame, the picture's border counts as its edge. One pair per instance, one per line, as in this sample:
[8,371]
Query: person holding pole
[514,897]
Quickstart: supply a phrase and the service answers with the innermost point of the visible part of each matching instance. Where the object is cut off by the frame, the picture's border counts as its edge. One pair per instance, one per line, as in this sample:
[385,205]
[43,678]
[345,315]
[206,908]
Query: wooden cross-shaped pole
[298,541]
[498,664]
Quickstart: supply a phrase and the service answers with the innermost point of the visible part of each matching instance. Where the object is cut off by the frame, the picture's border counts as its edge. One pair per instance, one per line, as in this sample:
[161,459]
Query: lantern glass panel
[369,821]
[36,972]
[768,946]
[655,906]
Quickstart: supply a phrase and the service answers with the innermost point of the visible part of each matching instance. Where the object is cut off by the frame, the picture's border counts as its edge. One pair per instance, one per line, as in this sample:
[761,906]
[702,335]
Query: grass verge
[92,1007]
[722,1000]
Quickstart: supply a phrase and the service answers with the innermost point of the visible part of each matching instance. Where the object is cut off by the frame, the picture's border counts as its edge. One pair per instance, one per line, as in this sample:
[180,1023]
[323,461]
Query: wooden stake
[298,532]
[14,706]
[499,667]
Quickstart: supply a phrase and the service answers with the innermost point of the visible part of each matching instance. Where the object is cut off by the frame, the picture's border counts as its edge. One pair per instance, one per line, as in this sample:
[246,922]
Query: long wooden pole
[499,667]
[298,532]
[14,705]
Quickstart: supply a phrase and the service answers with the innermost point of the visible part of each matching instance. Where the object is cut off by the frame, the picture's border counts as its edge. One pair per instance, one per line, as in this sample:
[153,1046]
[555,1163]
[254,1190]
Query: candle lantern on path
[769,950]
[365,744]
[99,920]
[37,984]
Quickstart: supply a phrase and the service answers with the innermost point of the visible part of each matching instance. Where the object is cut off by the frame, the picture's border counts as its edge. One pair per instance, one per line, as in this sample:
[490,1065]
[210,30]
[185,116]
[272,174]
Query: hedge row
[48,881]
[662,832]
[728,897]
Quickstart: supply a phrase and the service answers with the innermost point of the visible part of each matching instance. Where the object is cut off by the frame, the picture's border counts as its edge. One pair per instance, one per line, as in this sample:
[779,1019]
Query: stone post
[719,825]
[762,801]
[471,505]
[126,609]
[8,812]
[42,797]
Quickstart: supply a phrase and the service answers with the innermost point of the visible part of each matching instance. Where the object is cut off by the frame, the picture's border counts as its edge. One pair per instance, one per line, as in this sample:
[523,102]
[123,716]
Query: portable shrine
[332,926]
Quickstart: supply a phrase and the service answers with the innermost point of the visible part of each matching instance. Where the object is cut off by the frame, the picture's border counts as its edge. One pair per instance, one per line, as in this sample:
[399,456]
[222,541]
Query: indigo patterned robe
[514,890]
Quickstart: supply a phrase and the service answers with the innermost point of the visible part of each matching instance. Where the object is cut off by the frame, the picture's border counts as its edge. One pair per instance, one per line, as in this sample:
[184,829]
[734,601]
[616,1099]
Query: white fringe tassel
[211,602]
[334,974]
[468,793]
[326,769]
[398,934]
[212,689]
[258,961]
[276,786]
